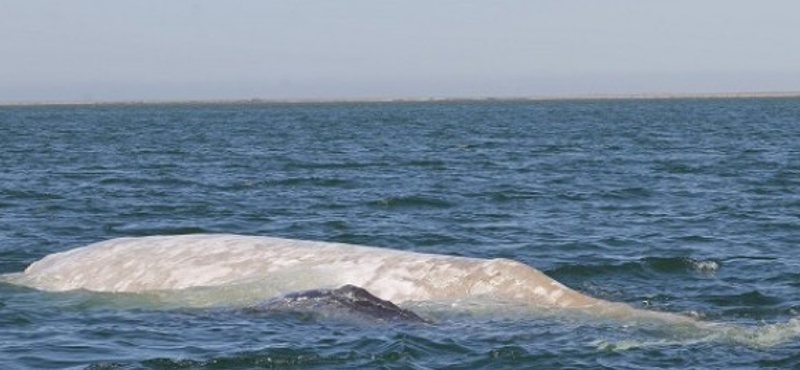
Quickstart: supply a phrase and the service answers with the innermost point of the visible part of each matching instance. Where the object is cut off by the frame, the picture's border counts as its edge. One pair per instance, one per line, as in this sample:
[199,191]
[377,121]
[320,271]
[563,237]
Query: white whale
[220,269]
[170,263]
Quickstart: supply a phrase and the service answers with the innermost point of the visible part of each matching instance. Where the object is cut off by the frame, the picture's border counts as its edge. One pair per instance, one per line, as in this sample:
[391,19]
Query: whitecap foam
[706,267]
[764,336]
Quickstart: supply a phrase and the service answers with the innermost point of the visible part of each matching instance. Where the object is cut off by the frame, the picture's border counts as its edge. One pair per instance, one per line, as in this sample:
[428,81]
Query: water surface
[686,206]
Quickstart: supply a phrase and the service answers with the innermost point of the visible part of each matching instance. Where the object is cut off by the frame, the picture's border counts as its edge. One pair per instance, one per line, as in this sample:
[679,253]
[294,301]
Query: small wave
[29,195]
[644,266]
[628,193]
[681,264]
[382,352]
[573,196]
[122,181]
[354,165]
[273,358]
[616,346]
[310,181]
[706,266]
[508,352]
[764,336]
[696,239]
[135,230]
[414,201]
[426,163]
[749,299]
[515,195]
[677,168]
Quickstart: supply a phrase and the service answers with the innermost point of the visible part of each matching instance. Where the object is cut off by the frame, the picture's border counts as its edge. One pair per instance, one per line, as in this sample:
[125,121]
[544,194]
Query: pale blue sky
[230,49]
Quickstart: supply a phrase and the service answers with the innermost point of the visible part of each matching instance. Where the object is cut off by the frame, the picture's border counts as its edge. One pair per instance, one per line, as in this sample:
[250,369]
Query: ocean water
[683,206]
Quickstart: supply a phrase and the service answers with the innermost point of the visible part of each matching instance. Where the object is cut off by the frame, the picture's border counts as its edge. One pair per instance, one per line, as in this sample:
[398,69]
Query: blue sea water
[685,206]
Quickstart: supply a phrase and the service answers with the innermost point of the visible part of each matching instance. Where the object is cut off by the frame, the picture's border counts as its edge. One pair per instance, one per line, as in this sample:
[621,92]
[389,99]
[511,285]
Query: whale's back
[169,263]
[186,261]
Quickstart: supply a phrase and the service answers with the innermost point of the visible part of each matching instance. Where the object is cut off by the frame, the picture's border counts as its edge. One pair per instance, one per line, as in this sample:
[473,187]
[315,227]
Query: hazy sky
[204,49]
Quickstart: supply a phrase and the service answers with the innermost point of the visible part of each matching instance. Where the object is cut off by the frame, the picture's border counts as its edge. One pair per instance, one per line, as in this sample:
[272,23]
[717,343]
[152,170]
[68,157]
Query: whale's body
[284,275]
[187,261]
[170,263]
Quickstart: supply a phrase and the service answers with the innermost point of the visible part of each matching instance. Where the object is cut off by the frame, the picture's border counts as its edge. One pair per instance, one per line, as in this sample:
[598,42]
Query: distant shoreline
[587,97]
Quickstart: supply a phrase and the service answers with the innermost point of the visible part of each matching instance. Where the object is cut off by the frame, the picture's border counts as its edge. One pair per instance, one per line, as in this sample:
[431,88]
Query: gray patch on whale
[347,302]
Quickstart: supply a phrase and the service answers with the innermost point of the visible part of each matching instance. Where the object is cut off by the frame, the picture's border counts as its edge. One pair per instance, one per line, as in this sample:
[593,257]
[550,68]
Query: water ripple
[677,205]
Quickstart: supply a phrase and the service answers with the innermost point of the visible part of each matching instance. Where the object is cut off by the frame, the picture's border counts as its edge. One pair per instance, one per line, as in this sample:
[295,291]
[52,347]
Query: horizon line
[419,99]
